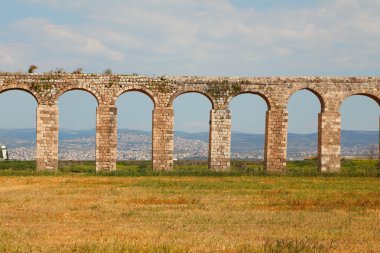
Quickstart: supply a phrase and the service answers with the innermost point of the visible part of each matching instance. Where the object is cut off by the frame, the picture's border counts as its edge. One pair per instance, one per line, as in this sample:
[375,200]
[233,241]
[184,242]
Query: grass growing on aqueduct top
[84,212]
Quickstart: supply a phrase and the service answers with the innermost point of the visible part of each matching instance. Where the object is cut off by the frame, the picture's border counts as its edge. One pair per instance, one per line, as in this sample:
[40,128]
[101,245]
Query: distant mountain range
[244,142]
[241,142]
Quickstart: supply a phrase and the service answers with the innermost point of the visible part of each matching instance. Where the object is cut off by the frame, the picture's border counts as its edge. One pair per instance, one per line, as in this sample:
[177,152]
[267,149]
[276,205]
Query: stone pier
[106,138]
[220,140]
[47,137]
[276,135]
[329,141]
[162,139]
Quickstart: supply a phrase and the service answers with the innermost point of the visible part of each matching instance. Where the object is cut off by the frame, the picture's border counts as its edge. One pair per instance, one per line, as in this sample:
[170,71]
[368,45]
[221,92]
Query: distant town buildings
[139,147]
[135,145]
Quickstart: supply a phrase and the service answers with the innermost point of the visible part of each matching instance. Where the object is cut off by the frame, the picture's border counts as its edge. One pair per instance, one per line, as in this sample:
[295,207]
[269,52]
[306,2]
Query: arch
[298,107]
[263,96]
[19,111]
[140,90]
[357,106]
[359,112]
[303,124]
[24,90]
[134,117]
[365,94]
[316,93]
[75,120]
[94,94]
[79,93]
[196,92]
[177,94]
[196,121]
[248,139]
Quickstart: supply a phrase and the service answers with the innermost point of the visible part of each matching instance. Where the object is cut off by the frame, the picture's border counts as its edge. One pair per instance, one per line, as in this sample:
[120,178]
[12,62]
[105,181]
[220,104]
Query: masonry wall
[162,139]
[47,137]
[220,140]
[106,138]
[331,91]
[329,141]
[276,135]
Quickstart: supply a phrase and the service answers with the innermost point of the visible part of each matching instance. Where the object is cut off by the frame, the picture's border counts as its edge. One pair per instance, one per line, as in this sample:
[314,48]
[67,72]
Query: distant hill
[296,142]
[359,138]
[72,134]
[18,137]
[241,142]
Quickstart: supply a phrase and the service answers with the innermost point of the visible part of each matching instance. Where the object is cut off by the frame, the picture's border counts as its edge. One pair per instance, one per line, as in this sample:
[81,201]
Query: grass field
[78,211]
[351,168]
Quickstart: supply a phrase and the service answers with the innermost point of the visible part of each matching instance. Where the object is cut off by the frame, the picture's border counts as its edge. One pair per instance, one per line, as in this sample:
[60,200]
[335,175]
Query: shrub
[32,68]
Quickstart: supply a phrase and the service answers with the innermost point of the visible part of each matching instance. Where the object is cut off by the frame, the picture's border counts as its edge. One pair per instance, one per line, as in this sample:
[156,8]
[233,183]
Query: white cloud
[216,37]
[13,56]
[6,58]
[59,38]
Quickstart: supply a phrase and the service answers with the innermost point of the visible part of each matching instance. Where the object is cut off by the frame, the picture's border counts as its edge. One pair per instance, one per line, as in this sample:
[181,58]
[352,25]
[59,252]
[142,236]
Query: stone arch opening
[78,89]
[137,91]
[203,94]
[367,96]
[77,127]
[316,93]
[21,90]
[248,131]
[18,124]
[258,94]
[134,131]
[192,126]
[359,128]
[304,107]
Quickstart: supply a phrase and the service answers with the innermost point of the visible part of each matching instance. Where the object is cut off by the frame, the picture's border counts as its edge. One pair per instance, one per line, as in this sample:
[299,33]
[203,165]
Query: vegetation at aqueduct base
[350,168]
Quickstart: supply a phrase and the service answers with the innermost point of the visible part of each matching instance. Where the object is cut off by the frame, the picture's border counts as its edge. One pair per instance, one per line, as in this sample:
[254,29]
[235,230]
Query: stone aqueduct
[276,91]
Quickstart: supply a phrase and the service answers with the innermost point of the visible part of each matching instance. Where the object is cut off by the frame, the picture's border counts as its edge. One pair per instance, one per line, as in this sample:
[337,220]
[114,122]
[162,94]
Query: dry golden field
[69,213]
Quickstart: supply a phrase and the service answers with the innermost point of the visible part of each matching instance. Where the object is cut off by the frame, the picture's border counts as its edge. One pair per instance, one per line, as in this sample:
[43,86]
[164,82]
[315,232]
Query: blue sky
[192,37]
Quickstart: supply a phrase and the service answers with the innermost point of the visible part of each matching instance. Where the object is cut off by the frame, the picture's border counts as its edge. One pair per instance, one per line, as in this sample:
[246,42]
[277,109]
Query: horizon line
[200,132]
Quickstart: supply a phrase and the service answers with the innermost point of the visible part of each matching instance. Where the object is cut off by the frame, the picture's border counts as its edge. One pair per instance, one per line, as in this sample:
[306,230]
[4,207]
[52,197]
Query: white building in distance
[3,153]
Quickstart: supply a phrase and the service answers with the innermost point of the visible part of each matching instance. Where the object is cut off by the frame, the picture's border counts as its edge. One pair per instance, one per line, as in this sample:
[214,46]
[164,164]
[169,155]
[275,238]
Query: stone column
[47,137]
[220,140]
[276,136]
[106,138]
[329,141]
[162,138]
